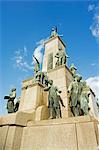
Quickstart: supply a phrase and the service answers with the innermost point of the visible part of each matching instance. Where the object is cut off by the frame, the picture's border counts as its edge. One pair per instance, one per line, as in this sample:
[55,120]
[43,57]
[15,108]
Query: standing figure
[53,100]
[97,103]
[38,77]
[57,106]
[74,91]
[73,69]
[61,57]
[16,106]
[10,103]
[84,98]
[54,32]
[45,79]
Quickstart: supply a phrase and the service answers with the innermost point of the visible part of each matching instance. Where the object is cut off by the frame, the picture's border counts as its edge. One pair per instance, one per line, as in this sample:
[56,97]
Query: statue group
[39,76]
[61,57]
[78,93]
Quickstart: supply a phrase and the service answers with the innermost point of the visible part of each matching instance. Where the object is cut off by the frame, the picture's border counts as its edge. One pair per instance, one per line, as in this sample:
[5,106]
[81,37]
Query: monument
[56,108]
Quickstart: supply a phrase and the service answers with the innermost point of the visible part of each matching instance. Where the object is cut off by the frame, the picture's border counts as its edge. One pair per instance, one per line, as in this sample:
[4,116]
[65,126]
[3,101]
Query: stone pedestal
[11,129]
[75,133]
[31,96]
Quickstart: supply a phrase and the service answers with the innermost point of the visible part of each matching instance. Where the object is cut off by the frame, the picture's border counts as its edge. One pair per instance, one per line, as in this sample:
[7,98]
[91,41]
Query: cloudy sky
[24,25]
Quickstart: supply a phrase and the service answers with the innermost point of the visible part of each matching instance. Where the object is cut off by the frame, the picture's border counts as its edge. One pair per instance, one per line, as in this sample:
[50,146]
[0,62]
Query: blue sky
[24,23]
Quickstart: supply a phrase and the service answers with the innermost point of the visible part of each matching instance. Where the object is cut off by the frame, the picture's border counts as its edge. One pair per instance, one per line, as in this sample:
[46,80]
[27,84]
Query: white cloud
[94,8]
[93,64]
[20,60]
[38,52]
[21,56]
[91,7]
[93,82]
[41,42]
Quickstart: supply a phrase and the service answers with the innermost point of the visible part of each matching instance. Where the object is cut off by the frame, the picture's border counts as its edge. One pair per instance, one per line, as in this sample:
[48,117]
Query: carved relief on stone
[50,61]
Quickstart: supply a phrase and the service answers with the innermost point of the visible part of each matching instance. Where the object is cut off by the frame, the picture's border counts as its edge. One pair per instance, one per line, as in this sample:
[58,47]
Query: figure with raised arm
[10,102]
[53,100]
[37,65]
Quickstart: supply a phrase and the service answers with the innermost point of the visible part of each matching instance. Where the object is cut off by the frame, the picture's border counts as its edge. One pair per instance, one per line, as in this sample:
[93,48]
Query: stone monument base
[74,133]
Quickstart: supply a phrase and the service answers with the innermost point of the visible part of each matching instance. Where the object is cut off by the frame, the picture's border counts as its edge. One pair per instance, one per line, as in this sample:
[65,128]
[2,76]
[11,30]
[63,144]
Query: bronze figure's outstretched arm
[36,59]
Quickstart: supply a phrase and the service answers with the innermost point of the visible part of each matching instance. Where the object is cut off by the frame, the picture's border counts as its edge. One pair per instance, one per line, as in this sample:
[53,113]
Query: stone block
[98,133]
[31,97]
[42,113]
[13,139]
[86,136]
[75,133]
[19,118]
[3,136]
[49,137]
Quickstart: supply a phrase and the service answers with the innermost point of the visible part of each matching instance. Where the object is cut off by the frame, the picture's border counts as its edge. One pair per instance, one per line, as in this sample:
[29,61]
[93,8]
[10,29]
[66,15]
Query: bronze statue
[61,57]
[10,102]
[16,106]
[74,90]
[53,100]
[84,98]
[45,79]
[37,72]
[54,32]
[73,69]
[97,103]
[38,76]
[57,106]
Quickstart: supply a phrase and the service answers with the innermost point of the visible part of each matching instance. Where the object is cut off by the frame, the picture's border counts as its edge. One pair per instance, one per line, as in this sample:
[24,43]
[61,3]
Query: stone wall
[75,133]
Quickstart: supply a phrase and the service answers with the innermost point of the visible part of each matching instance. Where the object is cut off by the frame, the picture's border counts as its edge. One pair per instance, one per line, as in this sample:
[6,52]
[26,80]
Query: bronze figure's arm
[47,88]
[36,59]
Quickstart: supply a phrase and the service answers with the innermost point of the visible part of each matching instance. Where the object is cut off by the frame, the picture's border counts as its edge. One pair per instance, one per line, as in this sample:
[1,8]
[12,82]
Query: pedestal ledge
[20,118]
[70,120]
[0,121]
